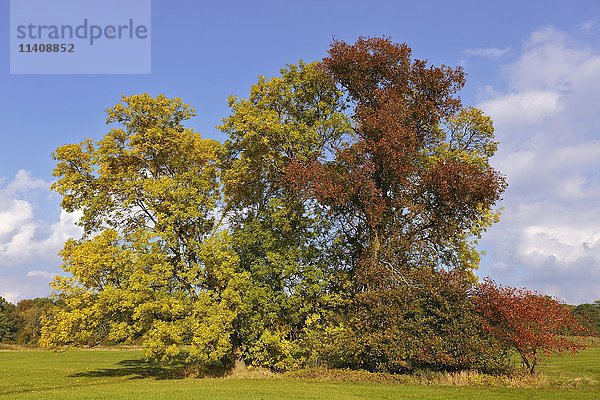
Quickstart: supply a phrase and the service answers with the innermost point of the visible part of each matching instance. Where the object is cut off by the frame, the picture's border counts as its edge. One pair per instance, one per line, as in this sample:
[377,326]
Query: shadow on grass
[142,369]
[138,369]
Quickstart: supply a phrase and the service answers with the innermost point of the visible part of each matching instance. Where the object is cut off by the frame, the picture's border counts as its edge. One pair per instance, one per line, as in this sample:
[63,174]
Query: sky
[533,66]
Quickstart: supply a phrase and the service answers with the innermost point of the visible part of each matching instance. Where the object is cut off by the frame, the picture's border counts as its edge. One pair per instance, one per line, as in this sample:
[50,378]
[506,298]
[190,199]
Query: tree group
[337,224]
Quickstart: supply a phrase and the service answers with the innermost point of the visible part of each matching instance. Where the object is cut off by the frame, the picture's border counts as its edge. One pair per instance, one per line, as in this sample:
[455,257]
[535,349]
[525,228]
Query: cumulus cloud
[526,107]
[27,240]
[547,122]
[24,182]
[492,53]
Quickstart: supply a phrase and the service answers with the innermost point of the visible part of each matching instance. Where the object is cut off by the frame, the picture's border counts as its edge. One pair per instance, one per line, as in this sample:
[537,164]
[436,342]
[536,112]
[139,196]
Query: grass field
[123,374]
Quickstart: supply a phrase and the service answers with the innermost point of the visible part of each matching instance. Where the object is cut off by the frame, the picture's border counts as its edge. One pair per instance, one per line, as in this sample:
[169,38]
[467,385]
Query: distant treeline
[589,315]
[21,323]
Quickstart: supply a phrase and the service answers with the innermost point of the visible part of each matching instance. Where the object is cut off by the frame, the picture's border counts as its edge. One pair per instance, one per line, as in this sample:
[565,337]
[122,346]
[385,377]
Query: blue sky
[534,66]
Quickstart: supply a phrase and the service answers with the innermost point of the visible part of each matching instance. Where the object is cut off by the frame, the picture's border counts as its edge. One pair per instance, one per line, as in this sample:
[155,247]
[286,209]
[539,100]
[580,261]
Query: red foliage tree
[407,190]
[400,191]
[531,323]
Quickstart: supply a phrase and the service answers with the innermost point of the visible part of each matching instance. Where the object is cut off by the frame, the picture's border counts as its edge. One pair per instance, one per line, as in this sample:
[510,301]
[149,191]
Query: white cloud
[27,240]
[550,60]
[24,182]
[548,125]
[23,286]
[12,296]
[44,274]
[14,214]
[529,107]
[492,53]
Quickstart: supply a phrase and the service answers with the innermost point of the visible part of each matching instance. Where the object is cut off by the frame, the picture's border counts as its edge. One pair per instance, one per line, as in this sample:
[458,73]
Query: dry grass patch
[519,379]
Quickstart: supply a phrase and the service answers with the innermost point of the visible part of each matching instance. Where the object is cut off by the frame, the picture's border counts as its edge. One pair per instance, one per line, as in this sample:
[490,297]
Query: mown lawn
[114,374]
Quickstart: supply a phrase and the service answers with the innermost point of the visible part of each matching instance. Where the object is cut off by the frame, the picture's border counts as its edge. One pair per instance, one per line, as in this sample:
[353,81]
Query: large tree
[153,267]
[408,192]
[279,237]
[412,187]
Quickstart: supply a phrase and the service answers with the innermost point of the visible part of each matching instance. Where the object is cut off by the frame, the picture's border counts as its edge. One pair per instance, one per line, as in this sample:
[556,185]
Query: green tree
[278,236]
[589,314]
[8,323]
[430,323]
[153,267]
[341,213]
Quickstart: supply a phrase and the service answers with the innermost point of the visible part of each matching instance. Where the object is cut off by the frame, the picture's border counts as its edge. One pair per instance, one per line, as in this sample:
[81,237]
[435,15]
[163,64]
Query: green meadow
[123,374]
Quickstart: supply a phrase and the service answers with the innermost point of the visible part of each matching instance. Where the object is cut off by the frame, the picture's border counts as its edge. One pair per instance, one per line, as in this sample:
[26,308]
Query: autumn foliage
[336,226]
[402,193]
[531,323]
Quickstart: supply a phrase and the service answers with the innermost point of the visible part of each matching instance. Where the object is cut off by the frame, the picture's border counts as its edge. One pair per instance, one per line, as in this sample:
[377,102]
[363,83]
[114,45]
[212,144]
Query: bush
[428,323]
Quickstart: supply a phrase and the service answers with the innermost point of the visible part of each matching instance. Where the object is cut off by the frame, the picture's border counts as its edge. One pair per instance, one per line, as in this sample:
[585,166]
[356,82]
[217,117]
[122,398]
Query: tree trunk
[533,363]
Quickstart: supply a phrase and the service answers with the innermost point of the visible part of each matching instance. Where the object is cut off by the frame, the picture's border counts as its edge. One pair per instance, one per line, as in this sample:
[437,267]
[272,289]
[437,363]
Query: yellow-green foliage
[292,116]
[153,267]
[295,116]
